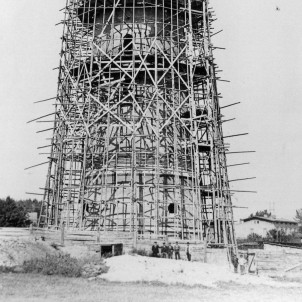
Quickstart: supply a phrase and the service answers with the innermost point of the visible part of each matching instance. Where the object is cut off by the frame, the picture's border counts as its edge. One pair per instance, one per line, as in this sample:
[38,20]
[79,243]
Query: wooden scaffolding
[137,142]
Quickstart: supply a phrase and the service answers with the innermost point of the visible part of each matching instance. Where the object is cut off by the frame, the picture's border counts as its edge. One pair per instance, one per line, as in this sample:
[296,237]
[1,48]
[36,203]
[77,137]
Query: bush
[6,269]
[279,236]
[63,265]
[254,237]
[141,252]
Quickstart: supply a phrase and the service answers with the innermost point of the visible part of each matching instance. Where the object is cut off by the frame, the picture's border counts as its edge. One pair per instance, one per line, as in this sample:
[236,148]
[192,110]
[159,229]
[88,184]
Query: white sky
[263,61]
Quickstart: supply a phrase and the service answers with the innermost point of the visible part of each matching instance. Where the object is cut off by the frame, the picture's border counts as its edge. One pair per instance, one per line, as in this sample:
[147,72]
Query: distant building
[261,225]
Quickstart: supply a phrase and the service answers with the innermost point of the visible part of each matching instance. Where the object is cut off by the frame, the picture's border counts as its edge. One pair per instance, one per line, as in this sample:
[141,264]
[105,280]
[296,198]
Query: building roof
[270,219]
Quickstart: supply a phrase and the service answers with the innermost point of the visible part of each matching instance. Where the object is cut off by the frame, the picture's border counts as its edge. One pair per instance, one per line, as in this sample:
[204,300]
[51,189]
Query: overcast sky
[263,61]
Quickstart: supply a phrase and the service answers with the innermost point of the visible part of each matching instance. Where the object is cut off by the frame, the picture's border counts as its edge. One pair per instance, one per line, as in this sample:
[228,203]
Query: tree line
[14,213]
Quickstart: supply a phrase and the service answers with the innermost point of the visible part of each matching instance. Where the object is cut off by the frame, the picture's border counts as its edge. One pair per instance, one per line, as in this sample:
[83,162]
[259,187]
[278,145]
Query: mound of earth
[15,252]
[128,268]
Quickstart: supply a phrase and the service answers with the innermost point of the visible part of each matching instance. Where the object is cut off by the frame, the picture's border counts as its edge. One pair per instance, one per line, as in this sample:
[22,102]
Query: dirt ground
[21,287]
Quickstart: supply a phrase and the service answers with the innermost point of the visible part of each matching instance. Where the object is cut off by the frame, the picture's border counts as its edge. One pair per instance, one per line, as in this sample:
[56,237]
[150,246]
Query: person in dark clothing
[170,251]
[188,251]
[235,263]
[164,250]
[155,249]
[176,251]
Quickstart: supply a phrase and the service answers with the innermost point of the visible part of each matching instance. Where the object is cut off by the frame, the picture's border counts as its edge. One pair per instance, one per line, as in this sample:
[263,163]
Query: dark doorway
[171,208]
[109,250]
[106,250]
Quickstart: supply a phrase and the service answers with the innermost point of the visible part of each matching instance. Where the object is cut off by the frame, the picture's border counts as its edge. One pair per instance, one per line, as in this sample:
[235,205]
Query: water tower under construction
[137,142]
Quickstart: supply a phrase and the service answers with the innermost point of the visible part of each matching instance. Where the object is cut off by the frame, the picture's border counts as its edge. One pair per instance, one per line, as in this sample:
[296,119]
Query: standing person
[242,262]
[188,251]
[235,263]
[164,250]
[155,249]
[176,250]
[170,251]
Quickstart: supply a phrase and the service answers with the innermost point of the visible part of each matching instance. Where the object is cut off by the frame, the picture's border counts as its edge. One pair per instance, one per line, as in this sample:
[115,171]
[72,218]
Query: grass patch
[15,287]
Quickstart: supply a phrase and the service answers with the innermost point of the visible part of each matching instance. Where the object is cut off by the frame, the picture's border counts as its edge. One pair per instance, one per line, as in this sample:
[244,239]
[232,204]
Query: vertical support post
[205,246]
[98,236]
[62,233]
[31,229]
[135,239]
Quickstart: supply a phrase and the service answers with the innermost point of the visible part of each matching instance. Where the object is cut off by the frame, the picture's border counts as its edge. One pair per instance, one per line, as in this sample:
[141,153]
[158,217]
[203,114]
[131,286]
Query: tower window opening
[171,208]
[127,42]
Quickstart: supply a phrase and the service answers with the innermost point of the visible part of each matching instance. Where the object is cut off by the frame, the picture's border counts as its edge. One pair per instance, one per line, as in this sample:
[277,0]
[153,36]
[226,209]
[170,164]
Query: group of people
[166,251]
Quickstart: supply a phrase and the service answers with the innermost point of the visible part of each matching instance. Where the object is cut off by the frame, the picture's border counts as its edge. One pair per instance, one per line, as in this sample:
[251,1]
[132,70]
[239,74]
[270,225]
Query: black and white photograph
[151,150]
